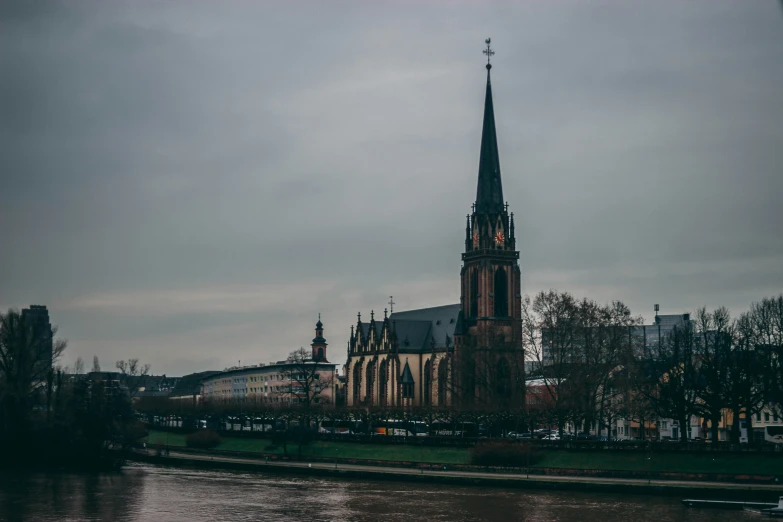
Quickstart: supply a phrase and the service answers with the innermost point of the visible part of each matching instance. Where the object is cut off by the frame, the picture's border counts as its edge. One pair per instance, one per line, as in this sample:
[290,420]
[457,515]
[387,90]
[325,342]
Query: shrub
[202,439]
[133,431]
[505,454]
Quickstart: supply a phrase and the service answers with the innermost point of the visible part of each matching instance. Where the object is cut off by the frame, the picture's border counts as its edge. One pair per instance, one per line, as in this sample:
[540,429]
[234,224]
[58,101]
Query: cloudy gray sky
[192,182]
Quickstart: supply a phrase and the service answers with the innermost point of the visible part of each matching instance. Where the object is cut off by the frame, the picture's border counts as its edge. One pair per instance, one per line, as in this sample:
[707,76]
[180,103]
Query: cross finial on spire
[385,310]
[391,304]
[489,193]
[489,52]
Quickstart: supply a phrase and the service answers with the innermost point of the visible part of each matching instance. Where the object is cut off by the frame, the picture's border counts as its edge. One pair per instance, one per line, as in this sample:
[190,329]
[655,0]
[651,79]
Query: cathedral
[464,354]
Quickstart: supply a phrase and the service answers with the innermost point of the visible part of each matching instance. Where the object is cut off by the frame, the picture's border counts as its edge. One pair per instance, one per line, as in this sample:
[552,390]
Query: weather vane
[488,51]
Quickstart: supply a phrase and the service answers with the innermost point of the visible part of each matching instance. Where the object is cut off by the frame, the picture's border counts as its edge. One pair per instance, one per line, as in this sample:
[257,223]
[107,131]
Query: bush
[133,431]
[505,454]
[202,439]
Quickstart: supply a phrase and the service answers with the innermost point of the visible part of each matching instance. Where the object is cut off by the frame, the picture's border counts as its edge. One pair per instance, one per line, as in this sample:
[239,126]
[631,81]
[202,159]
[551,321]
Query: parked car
[551,436]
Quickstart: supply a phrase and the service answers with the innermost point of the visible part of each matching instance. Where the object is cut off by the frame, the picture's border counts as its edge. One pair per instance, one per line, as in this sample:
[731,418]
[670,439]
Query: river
[160,494]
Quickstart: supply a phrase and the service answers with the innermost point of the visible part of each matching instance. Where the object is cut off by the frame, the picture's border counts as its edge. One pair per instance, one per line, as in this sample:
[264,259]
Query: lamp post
[658,322]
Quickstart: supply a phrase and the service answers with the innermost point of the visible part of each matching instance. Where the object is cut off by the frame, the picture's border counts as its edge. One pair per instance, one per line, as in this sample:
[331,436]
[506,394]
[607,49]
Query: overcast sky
[192,183]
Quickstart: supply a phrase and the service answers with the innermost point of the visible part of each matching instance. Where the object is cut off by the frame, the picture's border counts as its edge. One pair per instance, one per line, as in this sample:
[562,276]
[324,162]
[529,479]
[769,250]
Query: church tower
[319,343]
[490,276]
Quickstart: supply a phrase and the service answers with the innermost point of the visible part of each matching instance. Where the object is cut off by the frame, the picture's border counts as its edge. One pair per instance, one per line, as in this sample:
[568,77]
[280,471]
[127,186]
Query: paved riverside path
[468,477]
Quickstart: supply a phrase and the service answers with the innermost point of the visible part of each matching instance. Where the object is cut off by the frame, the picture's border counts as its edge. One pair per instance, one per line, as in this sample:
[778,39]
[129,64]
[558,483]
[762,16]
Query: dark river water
[159,494]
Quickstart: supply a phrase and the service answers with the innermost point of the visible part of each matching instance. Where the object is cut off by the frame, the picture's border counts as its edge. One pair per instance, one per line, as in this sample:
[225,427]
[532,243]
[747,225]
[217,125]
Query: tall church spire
[489,195]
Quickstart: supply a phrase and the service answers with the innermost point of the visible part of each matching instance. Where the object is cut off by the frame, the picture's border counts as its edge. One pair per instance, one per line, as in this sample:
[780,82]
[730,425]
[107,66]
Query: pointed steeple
[489,195]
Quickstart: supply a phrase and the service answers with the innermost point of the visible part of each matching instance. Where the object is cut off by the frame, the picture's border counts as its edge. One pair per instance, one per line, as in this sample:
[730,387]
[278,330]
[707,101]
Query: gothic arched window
[501,293]
[383,382]
[370,381]
[474,287]
[443,380]
[427,384]
[357,383]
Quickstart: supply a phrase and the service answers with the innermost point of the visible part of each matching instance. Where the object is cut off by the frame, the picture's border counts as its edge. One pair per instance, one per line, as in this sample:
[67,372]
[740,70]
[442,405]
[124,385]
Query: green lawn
[162,437]
[346,450]
[751,463]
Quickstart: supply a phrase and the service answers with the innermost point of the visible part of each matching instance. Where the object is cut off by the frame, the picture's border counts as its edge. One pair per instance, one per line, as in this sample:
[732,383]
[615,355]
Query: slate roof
[191,384]
[420,327]
[413,335]
[418,330]
[378,329]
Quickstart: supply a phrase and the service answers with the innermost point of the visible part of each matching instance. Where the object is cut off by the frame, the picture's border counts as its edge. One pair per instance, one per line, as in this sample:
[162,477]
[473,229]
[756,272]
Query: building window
[382,383]
[443,377]
[370,382]
[357,383]
[766,417]
[501,293]
[474,293]
[407,391]
[427,384]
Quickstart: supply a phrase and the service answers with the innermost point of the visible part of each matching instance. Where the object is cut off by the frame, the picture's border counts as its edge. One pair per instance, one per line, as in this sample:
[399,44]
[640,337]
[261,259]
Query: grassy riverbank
[750,463]
[339,450]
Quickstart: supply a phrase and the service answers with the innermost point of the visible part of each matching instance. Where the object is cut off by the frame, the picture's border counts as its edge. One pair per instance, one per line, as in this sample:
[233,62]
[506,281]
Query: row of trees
[50,416]
[598,364]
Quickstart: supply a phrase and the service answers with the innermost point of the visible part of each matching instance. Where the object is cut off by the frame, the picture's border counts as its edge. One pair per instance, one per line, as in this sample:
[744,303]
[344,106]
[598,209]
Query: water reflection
[147,493]
[55,496]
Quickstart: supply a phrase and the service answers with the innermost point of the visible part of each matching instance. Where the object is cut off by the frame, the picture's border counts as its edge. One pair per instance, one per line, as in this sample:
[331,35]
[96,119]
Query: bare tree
[78,367]
[26,358]
[669,381]
[748,369]
[578,345]
[714,343]
[96,365]
[549,329]
[308,381]
[134,375]
[766,318]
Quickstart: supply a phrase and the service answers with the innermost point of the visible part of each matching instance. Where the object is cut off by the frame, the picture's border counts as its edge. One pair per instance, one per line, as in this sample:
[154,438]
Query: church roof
[424,325]
[418,330]
[489,194]
[378,329]
[413,336]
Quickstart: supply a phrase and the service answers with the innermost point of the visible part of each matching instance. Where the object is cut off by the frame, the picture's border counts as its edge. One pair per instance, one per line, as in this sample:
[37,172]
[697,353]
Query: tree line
[592,364]
[597,364]
[51,416]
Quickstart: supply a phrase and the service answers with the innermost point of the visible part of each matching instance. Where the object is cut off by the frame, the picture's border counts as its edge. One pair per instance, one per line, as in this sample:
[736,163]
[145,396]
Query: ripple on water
[143,493]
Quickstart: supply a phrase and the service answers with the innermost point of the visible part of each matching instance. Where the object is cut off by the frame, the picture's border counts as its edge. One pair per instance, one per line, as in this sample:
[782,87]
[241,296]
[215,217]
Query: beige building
[278,382]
